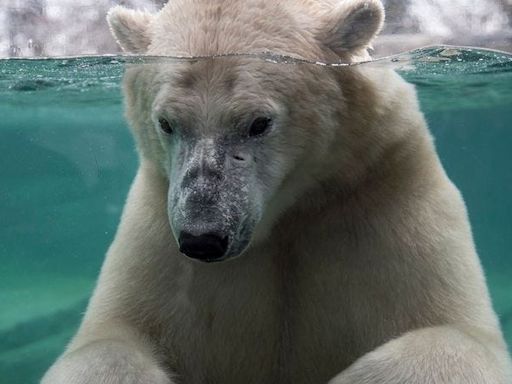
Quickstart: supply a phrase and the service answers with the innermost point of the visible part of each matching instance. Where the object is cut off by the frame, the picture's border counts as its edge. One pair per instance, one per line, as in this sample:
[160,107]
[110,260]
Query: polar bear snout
[214,201]
[211,224]
[208,247]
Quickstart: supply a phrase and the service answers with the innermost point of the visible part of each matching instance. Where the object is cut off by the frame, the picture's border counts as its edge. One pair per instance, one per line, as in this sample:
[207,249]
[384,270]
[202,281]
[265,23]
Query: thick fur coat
[349,256]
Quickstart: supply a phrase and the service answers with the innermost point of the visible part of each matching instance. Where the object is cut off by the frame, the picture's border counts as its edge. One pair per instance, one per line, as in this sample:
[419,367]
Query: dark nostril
[238,157]
[206,247]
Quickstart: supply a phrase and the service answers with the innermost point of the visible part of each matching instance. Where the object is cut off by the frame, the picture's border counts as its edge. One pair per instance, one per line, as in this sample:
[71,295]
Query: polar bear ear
[352,25]
[130,28]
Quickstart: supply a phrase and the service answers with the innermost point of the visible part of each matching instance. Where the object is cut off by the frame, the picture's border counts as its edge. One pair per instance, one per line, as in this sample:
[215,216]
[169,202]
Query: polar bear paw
[106,362]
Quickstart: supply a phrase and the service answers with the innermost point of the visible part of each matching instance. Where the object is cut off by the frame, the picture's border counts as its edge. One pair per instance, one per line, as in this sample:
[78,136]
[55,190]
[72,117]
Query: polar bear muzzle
[213,206]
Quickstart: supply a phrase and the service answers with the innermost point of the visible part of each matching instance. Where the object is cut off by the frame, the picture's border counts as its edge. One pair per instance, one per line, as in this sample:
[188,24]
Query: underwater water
[67,160]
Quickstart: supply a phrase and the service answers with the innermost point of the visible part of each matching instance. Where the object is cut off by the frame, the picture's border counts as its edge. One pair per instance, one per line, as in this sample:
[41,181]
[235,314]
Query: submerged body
[348,253]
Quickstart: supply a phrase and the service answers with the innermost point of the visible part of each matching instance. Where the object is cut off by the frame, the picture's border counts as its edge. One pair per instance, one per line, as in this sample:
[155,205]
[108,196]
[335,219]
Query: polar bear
[288,223]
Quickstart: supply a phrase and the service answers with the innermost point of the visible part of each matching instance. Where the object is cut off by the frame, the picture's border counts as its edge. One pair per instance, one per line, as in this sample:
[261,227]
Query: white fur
[363,270]
[130,28]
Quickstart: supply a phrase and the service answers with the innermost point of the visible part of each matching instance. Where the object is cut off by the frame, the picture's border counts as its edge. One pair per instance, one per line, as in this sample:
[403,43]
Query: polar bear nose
[206,247]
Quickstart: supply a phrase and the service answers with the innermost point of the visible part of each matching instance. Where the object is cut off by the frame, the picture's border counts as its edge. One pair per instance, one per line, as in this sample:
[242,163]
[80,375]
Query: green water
[67,160]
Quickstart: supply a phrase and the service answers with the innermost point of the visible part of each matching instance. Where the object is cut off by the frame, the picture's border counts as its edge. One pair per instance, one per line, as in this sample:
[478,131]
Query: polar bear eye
[165,126]
[259,126]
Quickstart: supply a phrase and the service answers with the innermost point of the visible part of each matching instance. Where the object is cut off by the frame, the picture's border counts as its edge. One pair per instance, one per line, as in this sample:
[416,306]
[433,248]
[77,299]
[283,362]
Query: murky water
[67,160]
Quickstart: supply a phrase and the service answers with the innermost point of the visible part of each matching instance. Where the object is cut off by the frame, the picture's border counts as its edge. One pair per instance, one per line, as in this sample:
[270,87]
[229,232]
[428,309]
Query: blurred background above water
[68,27]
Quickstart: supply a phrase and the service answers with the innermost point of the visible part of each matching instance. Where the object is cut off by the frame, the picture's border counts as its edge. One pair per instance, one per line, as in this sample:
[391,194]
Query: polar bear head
[238,138]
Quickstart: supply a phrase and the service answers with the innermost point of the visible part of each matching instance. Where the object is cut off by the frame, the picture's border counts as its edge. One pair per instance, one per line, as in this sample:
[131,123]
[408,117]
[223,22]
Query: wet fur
[362,270]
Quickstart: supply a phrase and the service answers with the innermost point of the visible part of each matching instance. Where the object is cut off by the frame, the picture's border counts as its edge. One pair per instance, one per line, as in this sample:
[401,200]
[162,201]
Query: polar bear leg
[107,361]
[437,355]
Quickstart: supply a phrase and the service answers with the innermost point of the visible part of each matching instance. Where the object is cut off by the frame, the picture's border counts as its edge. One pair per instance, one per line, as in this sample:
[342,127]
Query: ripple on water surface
[446,76]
